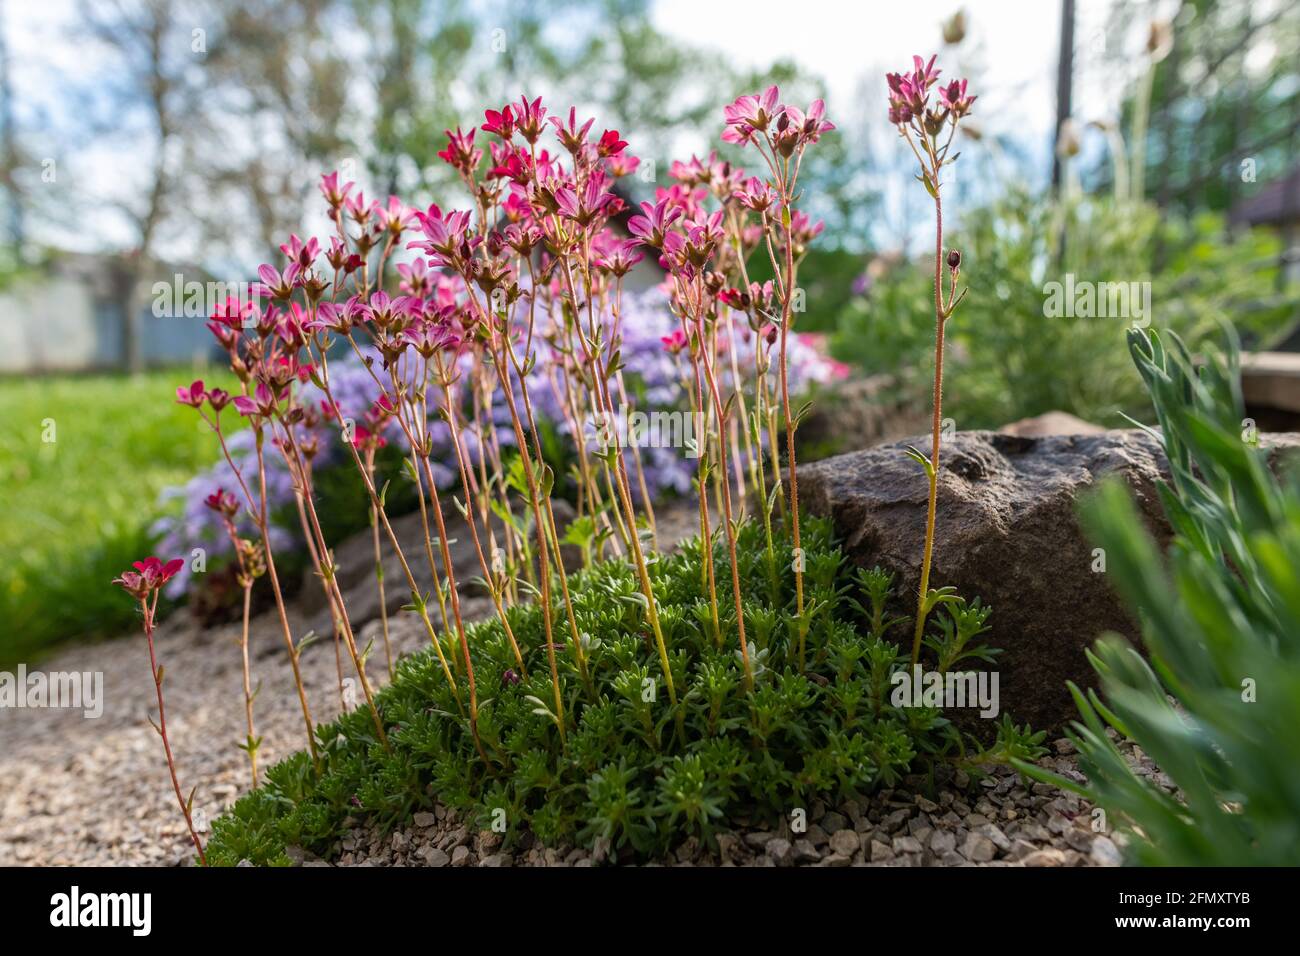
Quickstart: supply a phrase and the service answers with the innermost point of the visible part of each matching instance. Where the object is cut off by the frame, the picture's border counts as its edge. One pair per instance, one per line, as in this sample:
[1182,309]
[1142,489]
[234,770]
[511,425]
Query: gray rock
[1105,853]
[729,847]
[906,844]
[780,852]
[996,836]
[424,819]
[978,848]
[881,852]
[432,856]
[460,856]
[1046,857]
[942,841]
[805,852]
[1020,849]
[895,821]
[834,821]
[845,842]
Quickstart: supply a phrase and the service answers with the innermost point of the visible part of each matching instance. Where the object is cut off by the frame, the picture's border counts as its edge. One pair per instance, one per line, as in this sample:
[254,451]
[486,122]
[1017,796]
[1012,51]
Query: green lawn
[76,510]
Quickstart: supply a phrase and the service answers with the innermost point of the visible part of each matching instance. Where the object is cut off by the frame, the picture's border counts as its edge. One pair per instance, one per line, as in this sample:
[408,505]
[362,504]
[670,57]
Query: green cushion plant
[628,771]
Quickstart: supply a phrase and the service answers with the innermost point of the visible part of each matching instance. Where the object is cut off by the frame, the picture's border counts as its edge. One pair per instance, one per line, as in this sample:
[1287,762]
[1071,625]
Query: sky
[1009,52]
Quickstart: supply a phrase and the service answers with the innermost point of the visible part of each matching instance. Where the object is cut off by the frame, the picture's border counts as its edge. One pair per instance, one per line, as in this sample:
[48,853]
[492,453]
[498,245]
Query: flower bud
[954,28]
[954,260]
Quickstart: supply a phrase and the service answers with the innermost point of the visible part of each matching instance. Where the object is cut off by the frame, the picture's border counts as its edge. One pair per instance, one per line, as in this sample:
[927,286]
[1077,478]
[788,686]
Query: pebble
[942,842]
[845,842]
[881,852]
[1105,853]
[978,848]
[1048,857]
[780,851]
[432,856]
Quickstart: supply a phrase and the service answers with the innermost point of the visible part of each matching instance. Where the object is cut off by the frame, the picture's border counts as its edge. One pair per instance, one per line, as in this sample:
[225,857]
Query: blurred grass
[76,511]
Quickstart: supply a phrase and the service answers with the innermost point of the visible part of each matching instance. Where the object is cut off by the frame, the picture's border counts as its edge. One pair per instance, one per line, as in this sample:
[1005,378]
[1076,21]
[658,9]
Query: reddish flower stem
[148,611]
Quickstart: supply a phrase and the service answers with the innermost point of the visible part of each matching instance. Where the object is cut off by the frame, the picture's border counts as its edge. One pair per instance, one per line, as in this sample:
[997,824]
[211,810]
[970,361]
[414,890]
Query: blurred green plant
[73,515]
[1221,623]
[1009,360]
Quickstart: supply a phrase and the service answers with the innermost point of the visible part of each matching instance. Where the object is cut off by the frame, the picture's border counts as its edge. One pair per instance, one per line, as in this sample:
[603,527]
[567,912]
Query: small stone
[999,839]
[424,819]
[498,859]
[1105,853]
[1079,840]
[845,842]
[837,859]
[906,844]
[1020,849]
[894,821]
[759,839]
[805,852]
[460,856]
[432,856]
[834,821]
[244,863]
[942,842]
[853,809]
[926,805]
[978,848]
[779,851]
[1048,857]
[817,835]
[880,852]
[1064,746]
[728,847]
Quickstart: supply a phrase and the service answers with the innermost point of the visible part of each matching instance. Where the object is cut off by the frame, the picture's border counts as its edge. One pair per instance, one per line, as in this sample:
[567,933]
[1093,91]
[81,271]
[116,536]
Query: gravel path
[96,791]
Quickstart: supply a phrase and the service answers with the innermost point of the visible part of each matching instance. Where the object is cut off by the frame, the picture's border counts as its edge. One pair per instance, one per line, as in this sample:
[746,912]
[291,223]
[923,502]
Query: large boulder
[1007,532]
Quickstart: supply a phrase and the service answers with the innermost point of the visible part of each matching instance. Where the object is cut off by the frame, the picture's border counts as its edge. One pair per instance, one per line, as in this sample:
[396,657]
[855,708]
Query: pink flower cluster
[787,128]
[149,575]
[909,97]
